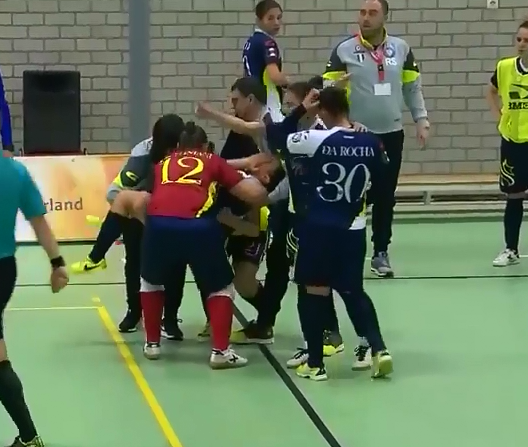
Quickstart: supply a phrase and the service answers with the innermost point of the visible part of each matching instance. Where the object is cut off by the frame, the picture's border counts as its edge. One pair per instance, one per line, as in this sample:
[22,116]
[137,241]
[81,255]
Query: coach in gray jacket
[383,76]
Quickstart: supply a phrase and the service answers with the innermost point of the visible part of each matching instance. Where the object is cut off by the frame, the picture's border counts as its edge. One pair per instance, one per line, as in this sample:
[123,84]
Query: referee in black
[384,76]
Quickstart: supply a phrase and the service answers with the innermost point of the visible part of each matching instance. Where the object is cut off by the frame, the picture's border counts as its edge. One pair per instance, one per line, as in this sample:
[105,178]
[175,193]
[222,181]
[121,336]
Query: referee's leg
[383,205]
[132,234]
[11,391]
[277,266]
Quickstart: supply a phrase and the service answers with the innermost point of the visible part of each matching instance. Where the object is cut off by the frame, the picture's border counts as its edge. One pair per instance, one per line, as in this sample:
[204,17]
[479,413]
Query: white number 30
[342,184]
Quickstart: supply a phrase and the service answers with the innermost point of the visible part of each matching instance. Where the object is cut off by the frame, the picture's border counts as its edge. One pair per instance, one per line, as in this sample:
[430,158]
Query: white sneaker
[297,359]
[152,351]
[506,258]
[363,358]
[226,359]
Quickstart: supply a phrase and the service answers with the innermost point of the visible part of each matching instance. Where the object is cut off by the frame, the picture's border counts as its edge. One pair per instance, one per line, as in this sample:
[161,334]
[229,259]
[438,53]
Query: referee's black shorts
[8,276]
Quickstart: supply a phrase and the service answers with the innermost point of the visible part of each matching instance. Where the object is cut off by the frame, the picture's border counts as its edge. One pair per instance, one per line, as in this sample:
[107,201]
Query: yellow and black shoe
[35,442]
[317,374]
[205,333]
[252,334]
[381,365]
[333,343]
[87,266]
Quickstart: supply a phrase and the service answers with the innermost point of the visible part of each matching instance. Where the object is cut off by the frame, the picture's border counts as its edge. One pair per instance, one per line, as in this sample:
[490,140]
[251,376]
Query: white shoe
[297,359]
[152,351]
[226,359]
[506,258]
[363,358]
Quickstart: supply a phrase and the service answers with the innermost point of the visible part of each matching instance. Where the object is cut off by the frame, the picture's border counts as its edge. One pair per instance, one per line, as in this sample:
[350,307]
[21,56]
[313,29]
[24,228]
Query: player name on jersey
[348,151]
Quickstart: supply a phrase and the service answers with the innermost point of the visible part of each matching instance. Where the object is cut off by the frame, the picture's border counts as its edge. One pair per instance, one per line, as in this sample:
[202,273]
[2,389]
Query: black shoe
[35,442]
[252,334]
[170,330]
[130,322]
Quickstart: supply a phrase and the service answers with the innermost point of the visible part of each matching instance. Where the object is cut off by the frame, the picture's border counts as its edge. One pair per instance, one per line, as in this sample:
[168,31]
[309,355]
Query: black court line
[298,395]
[396,278]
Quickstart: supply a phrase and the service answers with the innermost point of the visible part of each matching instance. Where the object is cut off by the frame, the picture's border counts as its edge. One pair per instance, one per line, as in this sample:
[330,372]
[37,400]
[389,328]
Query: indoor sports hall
[455,325]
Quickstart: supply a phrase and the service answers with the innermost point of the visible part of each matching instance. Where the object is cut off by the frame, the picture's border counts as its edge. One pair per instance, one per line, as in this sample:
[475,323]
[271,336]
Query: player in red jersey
[181,229]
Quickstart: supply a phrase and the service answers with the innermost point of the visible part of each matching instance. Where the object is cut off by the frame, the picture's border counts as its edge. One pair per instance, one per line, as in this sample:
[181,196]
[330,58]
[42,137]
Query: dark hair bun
[190,128]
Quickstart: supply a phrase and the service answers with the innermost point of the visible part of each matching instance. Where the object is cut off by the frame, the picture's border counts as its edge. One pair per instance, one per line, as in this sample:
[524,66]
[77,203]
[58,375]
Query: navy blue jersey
[261,50]
[340,166]
[296,166]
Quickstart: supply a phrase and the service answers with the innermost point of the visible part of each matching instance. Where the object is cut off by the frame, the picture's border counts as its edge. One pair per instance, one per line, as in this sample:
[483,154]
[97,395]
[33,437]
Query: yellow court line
[137,374]
[19,309]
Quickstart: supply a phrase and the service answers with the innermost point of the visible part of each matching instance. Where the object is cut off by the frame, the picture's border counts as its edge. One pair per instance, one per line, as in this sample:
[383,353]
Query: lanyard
[377,56]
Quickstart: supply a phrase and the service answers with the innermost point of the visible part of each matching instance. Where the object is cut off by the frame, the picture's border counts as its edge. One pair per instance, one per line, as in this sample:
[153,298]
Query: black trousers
[132,236]
[383,203]
[8,276]
[277,265]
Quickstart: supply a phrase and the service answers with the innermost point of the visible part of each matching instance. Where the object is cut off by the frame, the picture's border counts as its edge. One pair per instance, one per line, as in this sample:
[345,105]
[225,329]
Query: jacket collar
[367,44]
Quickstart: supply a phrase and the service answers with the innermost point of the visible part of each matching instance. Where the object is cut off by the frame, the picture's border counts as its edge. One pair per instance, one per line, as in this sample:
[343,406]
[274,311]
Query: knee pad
[145,286]
[228,291]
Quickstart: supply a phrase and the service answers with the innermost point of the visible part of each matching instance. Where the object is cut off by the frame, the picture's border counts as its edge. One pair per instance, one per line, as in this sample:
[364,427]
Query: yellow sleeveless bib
[513,90]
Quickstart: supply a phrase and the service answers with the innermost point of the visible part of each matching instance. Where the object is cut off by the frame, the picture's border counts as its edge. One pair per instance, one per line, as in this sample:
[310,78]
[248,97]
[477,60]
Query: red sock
[220,311]
[152,304]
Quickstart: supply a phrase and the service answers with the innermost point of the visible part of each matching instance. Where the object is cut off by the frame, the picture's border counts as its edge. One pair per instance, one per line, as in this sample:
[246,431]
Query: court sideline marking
[366,278]
[137,374]
[298,395]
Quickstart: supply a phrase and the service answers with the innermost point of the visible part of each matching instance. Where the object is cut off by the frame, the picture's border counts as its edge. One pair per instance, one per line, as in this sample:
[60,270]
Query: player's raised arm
[206,111]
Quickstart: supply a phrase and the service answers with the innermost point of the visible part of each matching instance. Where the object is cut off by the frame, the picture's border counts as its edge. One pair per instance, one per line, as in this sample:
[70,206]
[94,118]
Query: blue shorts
[330,257]
[247,249]
[171,244]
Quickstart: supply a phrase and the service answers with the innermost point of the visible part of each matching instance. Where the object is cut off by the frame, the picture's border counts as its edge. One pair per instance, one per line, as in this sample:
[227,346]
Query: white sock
[362,341]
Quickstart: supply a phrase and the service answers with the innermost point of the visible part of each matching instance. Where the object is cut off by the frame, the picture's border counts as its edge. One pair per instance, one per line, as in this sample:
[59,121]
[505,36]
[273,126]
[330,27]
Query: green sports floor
[457,329]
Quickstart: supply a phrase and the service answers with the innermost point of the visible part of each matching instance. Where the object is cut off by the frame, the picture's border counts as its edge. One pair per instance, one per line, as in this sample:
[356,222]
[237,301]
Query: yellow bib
[513,90]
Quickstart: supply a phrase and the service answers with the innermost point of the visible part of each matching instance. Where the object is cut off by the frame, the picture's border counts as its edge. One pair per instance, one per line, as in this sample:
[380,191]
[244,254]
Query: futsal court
[456,326]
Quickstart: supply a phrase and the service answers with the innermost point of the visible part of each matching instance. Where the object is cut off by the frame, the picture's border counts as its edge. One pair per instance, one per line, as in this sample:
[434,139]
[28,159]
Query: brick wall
[195,52]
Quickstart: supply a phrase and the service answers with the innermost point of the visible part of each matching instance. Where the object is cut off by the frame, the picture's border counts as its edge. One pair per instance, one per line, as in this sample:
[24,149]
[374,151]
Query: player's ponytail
[166,135]
[194,137]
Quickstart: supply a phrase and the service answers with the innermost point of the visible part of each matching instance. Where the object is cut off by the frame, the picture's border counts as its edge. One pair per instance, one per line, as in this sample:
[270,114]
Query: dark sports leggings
[8,276]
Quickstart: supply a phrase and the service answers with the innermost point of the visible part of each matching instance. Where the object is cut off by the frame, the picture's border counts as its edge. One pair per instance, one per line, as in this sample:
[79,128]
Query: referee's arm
[412,88]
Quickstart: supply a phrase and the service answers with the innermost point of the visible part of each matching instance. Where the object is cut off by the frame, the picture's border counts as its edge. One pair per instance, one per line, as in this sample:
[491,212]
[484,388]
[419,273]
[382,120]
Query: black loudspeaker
[52,112]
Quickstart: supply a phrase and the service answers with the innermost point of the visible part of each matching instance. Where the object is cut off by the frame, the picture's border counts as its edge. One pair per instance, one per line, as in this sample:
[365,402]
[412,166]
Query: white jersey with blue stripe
[340,167]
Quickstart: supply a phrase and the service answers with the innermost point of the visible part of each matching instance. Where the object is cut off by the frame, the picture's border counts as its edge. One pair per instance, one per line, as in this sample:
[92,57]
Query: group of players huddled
[304,179]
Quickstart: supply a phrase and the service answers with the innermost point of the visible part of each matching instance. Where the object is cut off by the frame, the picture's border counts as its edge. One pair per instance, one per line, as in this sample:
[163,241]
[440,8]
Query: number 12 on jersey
[187,171]
[338,184]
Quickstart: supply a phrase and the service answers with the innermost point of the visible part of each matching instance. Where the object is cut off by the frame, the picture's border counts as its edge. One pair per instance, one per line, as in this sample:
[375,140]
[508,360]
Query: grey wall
[196,50]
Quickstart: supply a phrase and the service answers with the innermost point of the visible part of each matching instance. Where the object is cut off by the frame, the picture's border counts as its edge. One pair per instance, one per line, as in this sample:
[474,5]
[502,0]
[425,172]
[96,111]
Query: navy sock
[12,398]
[513,215]
[361,308]
[311,314]
[331,323]
[108,234]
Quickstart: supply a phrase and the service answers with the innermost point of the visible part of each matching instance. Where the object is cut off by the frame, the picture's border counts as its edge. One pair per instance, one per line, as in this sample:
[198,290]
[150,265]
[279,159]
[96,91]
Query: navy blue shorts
[513,176]
[247,249]
[172,244]
[8,277]
[330,257]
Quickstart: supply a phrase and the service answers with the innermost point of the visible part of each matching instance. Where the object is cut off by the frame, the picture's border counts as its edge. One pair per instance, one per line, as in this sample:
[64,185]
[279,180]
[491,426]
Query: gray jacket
[135,172]
[377,101]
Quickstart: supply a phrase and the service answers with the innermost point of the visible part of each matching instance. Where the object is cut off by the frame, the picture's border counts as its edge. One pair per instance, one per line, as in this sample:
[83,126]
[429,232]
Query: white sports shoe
[505,258]
[226,359]
[152,351]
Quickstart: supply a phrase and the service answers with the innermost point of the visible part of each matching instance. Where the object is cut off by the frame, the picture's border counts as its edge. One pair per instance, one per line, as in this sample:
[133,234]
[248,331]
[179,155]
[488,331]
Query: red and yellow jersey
[185,184]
